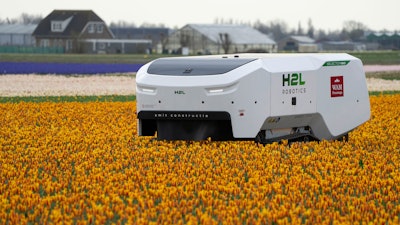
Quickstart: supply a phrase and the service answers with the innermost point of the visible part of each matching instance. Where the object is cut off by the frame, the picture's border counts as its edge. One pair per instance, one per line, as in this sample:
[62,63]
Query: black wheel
[346,137]
[260,138]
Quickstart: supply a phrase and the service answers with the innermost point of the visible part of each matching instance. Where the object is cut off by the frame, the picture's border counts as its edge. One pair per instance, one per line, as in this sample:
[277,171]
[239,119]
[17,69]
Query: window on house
[102,46]
[60,25]
[44,43]
[68,45]
[91,28]
[56,26]
[100,28]
[58,43]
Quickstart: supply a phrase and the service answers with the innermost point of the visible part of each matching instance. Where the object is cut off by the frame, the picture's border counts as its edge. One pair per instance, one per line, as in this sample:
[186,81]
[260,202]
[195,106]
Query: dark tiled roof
[79,19]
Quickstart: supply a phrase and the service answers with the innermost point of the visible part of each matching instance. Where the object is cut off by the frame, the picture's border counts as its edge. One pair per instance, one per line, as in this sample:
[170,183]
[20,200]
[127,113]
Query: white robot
[265,97]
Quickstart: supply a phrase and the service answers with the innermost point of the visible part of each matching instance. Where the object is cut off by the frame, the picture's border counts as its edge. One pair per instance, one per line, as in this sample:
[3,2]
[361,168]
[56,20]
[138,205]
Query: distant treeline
[277,29]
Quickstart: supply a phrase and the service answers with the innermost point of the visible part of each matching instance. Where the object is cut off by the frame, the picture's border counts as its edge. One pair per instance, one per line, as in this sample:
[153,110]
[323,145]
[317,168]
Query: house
[157,35]
[298,43]
[218,39]
[68,29]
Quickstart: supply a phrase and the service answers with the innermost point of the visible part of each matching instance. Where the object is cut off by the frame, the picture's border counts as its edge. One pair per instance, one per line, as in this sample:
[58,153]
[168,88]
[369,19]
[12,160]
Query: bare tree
[26,18]
[320,35]
[163,41]
[225,42]
[277,29]
[122,24]
[152,25]
[299,29]
[354,30]
[310,31]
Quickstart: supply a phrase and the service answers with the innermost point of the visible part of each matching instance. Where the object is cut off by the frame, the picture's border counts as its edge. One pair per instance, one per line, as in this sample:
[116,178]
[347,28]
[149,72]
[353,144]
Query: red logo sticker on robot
[337,86]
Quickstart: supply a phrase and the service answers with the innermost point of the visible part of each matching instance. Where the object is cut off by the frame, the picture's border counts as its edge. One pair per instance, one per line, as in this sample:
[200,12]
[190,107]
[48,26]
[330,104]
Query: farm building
[157,35]
[17,34]
[385,40]
[218,39]
[17,38]
[342,46]
[116,46]
[296,43]
[67,29]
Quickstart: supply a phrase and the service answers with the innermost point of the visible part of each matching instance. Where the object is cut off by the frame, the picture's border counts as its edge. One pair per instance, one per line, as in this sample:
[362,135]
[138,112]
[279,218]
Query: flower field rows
[66,68]
[82,163]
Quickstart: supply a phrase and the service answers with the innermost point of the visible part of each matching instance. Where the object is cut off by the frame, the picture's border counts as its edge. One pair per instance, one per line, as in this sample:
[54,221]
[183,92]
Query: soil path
[381,68]
[56,85]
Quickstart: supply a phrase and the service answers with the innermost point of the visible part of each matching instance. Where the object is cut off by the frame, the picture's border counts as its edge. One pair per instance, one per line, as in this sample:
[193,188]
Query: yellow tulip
[83,163]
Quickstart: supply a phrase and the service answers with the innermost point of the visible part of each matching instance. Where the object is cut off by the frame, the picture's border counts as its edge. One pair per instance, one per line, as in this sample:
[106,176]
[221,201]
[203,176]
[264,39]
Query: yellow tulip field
[83,163]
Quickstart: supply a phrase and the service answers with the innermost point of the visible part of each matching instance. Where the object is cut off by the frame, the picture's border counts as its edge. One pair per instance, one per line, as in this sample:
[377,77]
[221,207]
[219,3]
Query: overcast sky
[326,15]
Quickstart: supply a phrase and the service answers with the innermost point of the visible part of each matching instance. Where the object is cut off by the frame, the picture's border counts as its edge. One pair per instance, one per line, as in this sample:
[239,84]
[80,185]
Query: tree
[354,30]
[321,35]
[277,29]
[299,29]
[163,41]
[26,18]
[225,42]
[122,24]
[310,31]
[152,25]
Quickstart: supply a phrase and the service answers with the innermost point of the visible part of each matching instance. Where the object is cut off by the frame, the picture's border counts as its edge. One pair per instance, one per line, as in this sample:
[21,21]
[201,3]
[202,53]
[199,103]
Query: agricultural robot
[265,97]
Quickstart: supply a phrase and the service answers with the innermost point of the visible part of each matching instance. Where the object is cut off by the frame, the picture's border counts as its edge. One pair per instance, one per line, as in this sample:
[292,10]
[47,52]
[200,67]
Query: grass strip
[376,93]
[387,75]
[378,57]
[111,98]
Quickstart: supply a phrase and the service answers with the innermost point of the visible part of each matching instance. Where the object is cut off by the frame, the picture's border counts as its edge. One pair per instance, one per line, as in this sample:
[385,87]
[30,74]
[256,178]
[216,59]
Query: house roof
[239,34]
[303,39]
[155,34]
[79,19]
[139,32]
[17,28]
